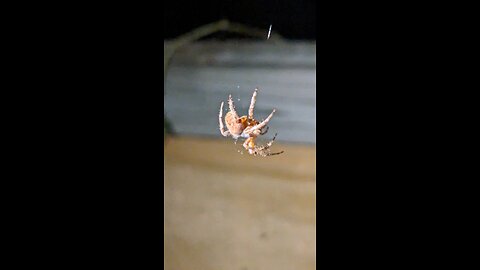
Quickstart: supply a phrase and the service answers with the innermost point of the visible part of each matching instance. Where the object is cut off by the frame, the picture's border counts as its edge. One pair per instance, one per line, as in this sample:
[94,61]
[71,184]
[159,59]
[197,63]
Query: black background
[292,19]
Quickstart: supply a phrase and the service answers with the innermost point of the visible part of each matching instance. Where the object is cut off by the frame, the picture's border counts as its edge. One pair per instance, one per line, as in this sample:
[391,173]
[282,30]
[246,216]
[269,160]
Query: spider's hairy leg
[264,132]
[252,104]
[261,150]
[263,123]
[231,106]
[224,132]
[273,154]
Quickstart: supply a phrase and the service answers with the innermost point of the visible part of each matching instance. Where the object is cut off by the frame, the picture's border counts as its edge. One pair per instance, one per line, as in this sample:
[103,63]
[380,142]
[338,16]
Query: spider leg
[263,123]
[264,132]
[273,154]
[266,146]
[224,132]
[231,106]
[262,150]
[252,104]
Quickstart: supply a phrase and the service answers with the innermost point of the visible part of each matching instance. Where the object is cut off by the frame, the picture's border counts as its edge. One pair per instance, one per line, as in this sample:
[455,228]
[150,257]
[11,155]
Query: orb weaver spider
[246,127]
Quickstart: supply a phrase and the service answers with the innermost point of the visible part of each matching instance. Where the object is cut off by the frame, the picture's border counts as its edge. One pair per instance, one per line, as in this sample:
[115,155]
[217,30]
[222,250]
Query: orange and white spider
[246,127]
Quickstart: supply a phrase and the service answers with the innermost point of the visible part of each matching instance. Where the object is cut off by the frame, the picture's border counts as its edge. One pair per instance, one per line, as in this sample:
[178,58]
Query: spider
[246,127]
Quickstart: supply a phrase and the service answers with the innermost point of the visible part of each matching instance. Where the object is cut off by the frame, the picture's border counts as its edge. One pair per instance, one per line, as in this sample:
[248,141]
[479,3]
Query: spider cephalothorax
[246,127]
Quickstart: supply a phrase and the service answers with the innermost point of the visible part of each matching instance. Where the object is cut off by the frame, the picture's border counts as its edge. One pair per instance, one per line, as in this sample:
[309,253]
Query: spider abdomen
[235,125]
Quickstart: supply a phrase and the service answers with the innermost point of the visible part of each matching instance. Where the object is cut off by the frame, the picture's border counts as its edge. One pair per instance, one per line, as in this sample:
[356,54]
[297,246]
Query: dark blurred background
[294,19]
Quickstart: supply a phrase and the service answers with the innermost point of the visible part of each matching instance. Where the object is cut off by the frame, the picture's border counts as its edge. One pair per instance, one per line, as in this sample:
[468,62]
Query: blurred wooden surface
[225,210]
[203,74]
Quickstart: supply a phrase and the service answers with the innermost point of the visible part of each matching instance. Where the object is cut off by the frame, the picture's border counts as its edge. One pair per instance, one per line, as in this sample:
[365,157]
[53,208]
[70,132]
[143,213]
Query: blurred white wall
[202,75]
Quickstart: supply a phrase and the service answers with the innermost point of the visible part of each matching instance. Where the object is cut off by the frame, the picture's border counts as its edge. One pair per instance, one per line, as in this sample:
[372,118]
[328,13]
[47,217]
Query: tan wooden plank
[224,210]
